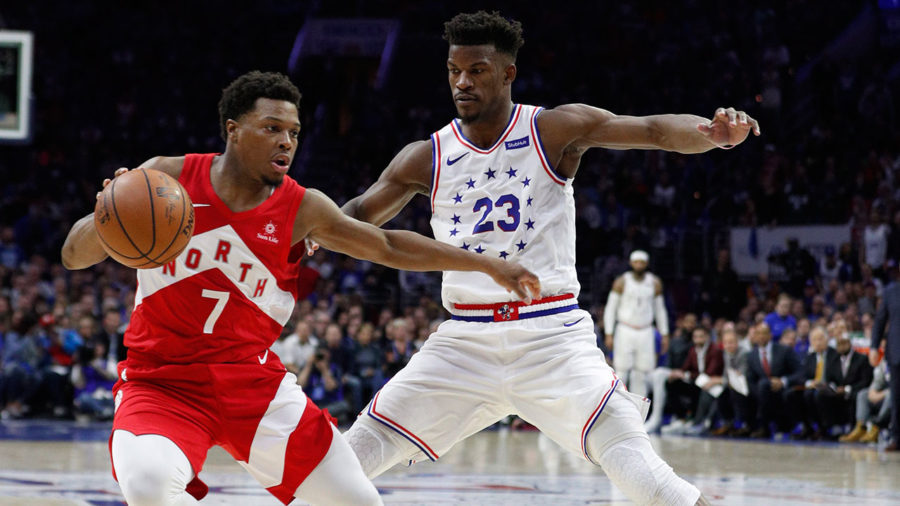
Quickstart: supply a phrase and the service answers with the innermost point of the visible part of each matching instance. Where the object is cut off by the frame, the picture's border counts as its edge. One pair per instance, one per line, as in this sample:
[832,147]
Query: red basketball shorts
[254,410]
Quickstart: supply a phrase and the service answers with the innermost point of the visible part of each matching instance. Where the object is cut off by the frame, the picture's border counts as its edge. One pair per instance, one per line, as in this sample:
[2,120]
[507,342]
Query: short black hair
[467,29]
[240,96]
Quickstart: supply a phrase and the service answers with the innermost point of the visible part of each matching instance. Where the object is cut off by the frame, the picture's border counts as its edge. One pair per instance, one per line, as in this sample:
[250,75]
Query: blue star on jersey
[455,219]
[490,173]
[503,255]
[525,182]
[479,249]
[521,245]
[528,202]
[530,224]
[453,232]
[470,183]
[457,199]
[511,172]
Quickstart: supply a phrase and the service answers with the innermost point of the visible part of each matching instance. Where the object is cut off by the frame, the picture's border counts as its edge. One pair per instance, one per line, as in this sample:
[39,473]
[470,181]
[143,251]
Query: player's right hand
[119,172]
[517,279]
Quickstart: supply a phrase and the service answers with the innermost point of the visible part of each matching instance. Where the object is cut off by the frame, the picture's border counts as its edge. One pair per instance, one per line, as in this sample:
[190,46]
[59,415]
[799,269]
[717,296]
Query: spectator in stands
[320,378]
[820,369]
[875,244]
[297,348]
[59,354]
[781,318]
[692,383]
[22,359]
[769,368]
[799,265]
[873,408]
[721,293]
[679,346]
[733,405]
[368,363]
[93,377]
[829,267]
[401,348]
[111,336]
[341,351]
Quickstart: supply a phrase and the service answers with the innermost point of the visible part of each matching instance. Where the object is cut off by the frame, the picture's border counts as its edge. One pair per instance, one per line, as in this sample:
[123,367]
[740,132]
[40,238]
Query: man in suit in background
[889,311]
[856,374]
[770,367]
[702,369]
[820,369]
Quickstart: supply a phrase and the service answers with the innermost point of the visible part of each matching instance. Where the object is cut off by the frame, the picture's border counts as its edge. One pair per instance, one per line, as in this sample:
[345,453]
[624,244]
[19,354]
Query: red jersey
[230,292]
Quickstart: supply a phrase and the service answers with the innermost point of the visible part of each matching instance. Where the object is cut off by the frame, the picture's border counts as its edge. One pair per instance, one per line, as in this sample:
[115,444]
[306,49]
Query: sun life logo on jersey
[268,233]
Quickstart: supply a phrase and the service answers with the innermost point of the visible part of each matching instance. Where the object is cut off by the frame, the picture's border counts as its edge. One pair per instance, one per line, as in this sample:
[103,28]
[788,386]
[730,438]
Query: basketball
[144,218]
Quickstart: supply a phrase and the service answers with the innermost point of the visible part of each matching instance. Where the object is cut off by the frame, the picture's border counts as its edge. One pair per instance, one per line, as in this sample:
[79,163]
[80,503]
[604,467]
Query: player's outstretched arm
[580,126]
[320,219]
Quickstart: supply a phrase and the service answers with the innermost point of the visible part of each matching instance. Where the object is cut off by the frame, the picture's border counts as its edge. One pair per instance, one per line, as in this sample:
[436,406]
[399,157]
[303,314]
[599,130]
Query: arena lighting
[15,85]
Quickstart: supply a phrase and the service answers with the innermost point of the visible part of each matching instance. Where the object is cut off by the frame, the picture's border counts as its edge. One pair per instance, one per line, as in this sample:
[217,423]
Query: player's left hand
[517,279]
[729,127]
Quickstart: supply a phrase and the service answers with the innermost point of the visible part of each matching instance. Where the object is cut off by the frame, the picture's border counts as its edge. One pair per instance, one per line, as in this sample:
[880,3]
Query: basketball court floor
[66,463]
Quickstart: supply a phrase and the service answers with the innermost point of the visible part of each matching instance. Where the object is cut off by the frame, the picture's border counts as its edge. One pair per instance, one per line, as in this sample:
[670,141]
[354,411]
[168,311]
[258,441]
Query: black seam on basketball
[177,233]
[112,198]
[110,248]
[152,212]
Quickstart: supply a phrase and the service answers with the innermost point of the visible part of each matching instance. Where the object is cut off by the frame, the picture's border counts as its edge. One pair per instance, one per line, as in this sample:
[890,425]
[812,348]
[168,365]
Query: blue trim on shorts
[535,314]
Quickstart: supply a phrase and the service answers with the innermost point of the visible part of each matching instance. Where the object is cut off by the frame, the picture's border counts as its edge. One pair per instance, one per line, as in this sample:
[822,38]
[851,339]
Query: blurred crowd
[829,154]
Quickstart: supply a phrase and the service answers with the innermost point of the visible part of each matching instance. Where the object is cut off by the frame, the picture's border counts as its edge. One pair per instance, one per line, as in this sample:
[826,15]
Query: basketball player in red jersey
[509,194]
[199,371]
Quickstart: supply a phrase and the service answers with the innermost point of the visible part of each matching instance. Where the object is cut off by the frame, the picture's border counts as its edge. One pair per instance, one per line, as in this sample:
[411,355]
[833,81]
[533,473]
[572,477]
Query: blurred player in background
[199,371]
[635,301]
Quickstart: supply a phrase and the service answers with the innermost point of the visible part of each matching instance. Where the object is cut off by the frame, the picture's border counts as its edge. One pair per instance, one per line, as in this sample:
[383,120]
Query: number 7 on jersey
[221,299]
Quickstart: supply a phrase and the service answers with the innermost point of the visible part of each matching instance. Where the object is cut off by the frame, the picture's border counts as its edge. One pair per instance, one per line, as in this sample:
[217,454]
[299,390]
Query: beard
[466,119]
[273,180]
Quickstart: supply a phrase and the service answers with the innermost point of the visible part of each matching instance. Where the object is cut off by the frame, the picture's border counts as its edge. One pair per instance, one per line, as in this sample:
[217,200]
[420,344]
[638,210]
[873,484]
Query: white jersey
[505,201]
[636,307]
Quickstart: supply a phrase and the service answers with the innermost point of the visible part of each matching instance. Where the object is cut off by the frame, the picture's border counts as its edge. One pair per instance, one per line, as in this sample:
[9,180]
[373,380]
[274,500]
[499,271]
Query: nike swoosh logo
[451,162]
[201,205]
[262,359]
[569,324]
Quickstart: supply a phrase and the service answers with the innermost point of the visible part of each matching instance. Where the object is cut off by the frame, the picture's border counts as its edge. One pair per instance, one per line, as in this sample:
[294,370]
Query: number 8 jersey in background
[227,296]
[505,201]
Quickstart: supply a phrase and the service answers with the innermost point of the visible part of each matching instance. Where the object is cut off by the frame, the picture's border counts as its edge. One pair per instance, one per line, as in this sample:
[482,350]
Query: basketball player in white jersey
[499,179]
[634,302]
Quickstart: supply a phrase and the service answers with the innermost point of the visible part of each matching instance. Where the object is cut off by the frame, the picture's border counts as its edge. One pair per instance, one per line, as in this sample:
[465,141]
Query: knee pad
[377,448]
[640,473]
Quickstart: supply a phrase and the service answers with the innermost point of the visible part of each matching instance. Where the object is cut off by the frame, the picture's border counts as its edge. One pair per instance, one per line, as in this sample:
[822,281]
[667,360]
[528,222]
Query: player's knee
[147,486]
[376,448]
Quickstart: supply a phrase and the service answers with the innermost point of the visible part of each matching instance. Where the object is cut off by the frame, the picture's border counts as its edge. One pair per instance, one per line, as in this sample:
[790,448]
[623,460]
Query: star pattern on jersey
[458,230]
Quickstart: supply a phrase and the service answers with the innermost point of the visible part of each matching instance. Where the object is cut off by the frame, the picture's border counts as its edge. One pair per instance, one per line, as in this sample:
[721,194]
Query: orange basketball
[144,218]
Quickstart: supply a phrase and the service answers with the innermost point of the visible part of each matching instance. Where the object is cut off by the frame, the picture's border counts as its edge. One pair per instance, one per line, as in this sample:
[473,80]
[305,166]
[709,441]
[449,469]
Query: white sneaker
[677,427]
